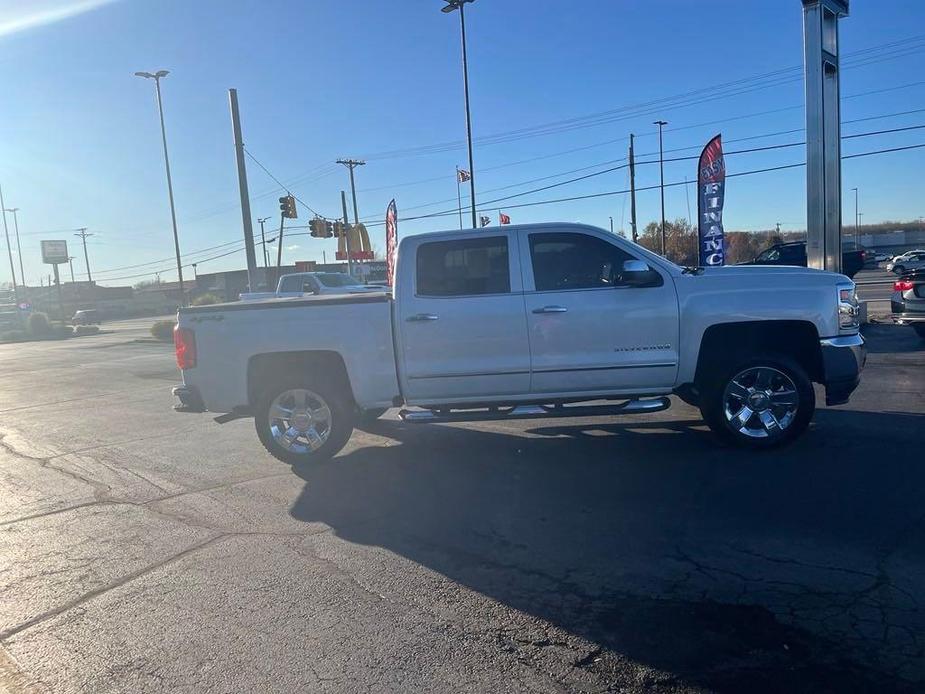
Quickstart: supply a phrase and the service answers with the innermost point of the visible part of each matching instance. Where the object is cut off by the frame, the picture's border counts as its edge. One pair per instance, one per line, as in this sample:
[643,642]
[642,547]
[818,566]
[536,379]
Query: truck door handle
[551,309]
[418,317]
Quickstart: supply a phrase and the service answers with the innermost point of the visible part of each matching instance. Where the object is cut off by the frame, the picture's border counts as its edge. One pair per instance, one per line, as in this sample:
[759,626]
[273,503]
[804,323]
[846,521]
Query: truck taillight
[184,343]
[902,286]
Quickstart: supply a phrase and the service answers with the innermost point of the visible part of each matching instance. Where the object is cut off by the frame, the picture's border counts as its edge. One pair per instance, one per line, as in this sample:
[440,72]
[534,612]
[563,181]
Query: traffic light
[320,228]
[338,229]
[287,207]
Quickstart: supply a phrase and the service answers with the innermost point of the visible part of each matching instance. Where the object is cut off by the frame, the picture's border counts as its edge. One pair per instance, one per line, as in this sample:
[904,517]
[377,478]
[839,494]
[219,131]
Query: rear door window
[465,267]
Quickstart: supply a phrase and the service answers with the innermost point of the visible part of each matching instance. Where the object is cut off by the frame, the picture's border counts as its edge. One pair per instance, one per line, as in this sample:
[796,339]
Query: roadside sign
[54,252]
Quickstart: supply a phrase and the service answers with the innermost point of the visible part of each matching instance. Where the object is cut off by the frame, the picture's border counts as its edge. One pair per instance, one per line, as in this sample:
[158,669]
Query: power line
[782,167]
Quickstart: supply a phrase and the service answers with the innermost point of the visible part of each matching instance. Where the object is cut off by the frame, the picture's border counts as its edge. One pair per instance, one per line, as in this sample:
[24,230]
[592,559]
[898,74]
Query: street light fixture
[661,173]
[452,6]
[156,76]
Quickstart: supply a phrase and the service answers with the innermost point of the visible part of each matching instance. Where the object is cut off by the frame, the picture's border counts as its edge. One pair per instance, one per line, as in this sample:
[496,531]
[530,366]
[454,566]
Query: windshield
[336,279]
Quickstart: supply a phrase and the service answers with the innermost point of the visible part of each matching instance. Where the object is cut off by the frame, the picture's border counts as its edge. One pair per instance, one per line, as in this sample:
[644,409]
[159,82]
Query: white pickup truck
[528,321]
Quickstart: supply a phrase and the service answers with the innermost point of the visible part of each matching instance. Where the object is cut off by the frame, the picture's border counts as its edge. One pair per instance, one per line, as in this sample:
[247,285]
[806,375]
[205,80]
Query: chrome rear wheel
[300,420]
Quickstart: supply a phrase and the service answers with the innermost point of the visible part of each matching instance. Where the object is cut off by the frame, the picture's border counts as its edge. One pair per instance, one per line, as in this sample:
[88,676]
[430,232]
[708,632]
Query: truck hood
[757,271]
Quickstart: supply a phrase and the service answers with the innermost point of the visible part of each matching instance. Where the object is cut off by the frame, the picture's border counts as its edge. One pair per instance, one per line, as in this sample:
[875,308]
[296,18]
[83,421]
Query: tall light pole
[661,173]
[351,164]
[263,242]
[611,225]
[9,249]
[22,273]
[70,264]
[857,218]
[452,6]
[173,213]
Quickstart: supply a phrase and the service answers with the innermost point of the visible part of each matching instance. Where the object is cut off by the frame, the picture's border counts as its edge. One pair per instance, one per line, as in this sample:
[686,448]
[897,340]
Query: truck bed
[228,336]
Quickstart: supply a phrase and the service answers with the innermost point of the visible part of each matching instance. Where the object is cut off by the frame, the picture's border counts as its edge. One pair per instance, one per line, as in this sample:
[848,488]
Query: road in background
[146,550]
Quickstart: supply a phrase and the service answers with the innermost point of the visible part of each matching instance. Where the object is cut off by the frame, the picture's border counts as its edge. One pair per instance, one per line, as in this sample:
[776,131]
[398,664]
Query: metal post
[279,247]
[458,199]
[661,173]
[632,158]
[242,189]
[22,272]
[263,243]
[857,219]
[9,249]
[343,202]
[823,132]
[82,233]
[173,211]
[465,60]
[611,225]
[58,288]
[70,263]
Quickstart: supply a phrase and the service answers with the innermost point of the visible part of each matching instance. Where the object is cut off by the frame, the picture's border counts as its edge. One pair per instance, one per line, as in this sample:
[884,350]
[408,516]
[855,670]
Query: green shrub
[13,336]
[37,325]
[206,299]
[163,330]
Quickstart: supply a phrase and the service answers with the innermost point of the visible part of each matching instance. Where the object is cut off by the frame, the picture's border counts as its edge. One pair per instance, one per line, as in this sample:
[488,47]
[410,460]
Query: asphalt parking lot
[149,551]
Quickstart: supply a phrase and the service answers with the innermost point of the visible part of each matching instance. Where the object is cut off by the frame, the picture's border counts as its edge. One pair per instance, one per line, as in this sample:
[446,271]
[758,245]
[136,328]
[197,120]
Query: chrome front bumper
[843,359]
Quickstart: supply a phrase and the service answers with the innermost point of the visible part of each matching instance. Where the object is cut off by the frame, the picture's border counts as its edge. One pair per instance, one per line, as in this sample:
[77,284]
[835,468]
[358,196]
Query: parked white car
[298,284]
[529,321]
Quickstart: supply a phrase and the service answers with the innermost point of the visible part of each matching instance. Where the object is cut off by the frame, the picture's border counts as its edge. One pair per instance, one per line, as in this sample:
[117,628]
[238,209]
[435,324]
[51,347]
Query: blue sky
[318,80]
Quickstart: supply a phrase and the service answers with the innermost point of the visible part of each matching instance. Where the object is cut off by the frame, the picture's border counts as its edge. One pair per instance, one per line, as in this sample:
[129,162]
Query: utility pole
[263,242]
[22,273]
[632,158]
[82,233]
[242,188]
[351,164]
[611,225]
[9,250]
[70,263]
[343,202]
[661,173]
[173,212]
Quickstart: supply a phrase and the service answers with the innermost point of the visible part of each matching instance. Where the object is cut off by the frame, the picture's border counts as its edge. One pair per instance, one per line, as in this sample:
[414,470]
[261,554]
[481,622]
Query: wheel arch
[726,342]
[264,368]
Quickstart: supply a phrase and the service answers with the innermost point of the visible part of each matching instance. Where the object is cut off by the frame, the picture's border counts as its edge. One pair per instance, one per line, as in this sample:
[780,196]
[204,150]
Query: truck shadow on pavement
[646,539]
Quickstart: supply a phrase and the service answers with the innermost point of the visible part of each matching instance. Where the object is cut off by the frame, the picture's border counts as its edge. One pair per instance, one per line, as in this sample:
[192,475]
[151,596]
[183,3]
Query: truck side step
[534,411]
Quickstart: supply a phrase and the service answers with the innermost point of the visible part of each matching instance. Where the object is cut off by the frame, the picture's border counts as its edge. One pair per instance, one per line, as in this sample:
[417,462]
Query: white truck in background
[538,320]
[302,283]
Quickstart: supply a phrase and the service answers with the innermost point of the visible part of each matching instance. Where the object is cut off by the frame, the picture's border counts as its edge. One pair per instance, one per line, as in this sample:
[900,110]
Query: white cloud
[25,14]
[293,247]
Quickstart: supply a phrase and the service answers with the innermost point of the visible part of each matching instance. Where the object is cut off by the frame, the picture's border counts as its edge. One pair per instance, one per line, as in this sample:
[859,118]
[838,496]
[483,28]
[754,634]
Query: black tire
[899,269]
[919,329]
[338,430]
[783,375]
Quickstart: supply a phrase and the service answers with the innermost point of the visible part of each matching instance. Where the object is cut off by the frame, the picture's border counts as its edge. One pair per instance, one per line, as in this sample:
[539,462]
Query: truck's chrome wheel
[300,420]
[760,402]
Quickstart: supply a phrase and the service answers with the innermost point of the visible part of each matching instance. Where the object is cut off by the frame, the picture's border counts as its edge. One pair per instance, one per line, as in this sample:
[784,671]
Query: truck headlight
[848,308]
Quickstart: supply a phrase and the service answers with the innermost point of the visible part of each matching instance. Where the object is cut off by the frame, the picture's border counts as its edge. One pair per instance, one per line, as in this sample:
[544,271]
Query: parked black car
[794,253]
[908,301]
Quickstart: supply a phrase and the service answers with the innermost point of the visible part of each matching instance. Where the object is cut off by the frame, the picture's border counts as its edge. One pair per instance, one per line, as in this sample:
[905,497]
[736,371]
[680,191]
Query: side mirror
[636,273]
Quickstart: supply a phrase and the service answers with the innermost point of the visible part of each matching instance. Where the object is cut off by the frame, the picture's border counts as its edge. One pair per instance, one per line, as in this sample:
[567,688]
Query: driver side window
[567,260]
[769,256]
